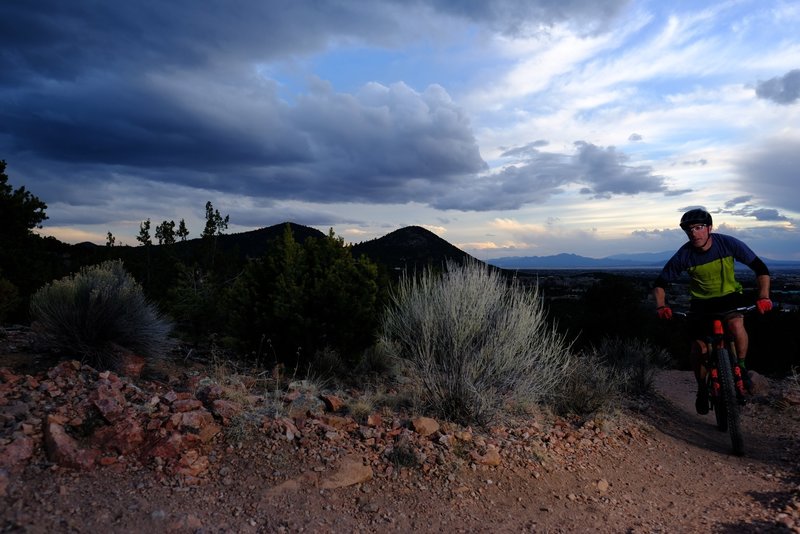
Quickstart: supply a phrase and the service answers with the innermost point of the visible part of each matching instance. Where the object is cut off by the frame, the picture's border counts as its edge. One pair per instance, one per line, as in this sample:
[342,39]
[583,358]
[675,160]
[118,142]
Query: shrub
[635,361]
[473,342]
[101,306]
[9,298]
[591,386]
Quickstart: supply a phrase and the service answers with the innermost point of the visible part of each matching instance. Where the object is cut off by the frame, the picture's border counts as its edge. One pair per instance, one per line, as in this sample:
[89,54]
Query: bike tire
[720,414]
[729,401]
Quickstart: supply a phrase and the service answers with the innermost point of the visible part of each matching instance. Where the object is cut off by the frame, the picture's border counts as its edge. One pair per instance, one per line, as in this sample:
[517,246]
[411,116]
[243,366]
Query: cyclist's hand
[763,305]
[664,312]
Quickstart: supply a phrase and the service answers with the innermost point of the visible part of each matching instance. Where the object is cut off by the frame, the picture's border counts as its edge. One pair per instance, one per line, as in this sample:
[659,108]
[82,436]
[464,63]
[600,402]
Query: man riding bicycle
[709,259]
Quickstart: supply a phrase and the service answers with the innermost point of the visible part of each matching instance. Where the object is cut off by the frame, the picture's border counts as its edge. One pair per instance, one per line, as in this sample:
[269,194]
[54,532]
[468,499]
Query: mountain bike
[726,389]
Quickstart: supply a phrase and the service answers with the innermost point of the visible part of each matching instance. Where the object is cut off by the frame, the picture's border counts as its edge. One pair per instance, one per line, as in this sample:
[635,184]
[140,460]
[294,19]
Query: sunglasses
[696,228]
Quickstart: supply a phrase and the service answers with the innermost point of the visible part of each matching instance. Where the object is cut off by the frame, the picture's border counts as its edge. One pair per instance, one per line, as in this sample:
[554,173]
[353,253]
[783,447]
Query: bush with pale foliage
[473,342]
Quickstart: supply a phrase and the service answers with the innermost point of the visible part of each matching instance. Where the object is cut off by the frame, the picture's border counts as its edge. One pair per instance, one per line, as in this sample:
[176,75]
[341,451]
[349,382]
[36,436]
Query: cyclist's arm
[762,282]
[660,296]
[762,277]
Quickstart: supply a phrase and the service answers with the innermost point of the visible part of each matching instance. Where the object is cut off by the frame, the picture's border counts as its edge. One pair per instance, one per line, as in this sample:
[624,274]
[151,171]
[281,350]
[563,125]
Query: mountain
[255,243]
[645,260]
[411,248]
[564,261]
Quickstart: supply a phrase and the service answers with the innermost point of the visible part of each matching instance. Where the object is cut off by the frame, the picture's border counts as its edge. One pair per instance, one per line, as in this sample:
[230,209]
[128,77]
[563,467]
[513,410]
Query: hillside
[411,248]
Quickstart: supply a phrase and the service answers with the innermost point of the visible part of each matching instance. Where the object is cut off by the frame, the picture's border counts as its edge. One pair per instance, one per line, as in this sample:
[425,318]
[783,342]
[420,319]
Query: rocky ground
[186,448]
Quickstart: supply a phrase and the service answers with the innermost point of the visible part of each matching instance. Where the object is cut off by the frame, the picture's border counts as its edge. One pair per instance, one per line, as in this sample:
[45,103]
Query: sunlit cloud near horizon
[508,128]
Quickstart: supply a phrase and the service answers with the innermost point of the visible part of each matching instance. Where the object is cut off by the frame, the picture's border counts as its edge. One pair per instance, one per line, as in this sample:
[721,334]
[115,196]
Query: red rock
[7,376]
[169,447]
[374,420]
[225,409]
[201,423]
[186,405]
[192,464]
[109,401]
[17,453]
[351,471]
[425,426]
[332,402]
[492,457]
[64,450]
[124,436]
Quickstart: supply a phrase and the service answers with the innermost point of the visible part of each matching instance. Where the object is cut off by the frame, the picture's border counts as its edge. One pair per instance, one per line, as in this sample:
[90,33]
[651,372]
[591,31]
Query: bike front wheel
[729,401]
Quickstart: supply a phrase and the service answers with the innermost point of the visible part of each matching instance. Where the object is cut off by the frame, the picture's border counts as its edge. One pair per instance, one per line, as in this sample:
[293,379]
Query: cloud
[635,137]
[605,172]
[781,89]
[772,168]
[536,176]
[523,17]
[738,200]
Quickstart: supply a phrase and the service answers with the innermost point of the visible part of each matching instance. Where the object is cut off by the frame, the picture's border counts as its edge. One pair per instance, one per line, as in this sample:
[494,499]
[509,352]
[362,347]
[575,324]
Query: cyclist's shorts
[699,327]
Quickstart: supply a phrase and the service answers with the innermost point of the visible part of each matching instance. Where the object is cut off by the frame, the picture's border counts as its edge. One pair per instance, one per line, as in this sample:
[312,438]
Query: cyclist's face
[698,235]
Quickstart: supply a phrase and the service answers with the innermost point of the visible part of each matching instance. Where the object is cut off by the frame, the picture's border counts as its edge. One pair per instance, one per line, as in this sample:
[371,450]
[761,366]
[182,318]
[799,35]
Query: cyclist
[708,258]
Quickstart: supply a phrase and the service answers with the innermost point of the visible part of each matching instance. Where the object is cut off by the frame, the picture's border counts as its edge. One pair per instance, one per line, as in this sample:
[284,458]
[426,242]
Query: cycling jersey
[711,273]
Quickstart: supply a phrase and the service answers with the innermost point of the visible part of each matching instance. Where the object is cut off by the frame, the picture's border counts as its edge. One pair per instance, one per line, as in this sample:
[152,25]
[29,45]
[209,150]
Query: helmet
[695,216]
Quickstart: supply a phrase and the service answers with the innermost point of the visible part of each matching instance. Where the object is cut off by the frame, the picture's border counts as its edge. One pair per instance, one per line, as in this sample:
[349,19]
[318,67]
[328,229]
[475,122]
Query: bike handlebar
[742,309]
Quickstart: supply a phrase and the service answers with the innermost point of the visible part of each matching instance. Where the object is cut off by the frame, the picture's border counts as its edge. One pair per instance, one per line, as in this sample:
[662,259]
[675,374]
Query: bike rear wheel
[729,401]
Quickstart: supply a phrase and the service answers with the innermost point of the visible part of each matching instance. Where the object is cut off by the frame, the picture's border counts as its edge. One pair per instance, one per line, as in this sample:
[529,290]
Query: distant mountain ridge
[414,248]
[645,260]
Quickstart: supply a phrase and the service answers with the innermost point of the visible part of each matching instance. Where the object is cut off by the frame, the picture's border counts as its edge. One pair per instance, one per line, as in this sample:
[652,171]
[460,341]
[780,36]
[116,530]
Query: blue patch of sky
[454,65]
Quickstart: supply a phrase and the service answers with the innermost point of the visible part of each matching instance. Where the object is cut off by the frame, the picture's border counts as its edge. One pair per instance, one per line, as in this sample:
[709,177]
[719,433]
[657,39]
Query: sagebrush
[473,341]
[94,312]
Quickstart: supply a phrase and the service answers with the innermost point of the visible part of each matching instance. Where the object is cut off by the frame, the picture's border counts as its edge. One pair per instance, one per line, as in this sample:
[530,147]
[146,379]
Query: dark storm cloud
[781,89]
[525,16]
[537,176]
[96,94]
[605,172]
[773,167]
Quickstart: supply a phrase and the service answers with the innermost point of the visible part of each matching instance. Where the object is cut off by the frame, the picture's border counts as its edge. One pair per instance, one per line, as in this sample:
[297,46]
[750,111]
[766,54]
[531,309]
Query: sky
[507,127]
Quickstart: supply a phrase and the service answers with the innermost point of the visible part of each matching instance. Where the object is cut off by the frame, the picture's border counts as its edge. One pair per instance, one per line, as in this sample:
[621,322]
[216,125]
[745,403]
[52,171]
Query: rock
[63,449]
[17,453]
[602,485]
[124,436]
[492,457]
[425,426]
[332,402]
[351,471]
[225,410]
[109,401]
[186,405]
[305,405]
[199,422]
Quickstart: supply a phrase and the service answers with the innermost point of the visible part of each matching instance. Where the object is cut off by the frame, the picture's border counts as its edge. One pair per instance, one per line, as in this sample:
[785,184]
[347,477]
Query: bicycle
[724,380]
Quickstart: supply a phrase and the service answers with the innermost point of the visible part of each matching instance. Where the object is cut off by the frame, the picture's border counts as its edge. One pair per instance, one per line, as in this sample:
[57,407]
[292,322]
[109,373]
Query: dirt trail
[661,468]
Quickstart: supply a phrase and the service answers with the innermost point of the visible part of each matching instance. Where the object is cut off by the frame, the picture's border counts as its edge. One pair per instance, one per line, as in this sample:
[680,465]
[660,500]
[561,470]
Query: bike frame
[723,374]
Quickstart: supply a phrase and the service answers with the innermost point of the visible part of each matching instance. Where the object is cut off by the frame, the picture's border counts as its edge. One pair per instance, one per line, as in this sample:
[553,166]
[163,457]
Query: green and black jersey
[711,273]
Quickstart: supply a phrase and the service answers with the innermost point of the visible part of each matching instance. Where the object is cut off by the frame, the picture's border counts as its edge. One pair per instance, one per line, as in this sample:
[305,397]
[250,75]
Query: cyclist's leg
[740,338]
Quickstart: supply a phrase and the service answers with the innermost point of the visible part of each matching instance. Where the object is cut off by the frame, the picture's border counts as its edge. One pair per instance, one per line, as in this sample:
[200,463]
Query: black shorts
[698,326]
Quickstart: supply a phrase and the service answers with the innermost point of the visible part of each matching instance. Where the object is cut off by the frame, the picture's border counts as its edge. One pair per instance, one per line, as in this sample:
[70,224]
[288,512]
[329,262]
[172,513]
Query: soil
[653,465]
